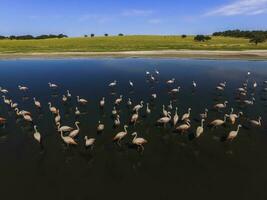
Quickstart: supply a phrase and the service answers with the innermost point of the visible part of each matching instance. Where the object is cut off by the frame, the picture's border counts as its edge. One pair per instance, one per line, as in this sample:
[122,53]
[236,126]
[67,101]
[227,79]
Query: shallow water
[172,166]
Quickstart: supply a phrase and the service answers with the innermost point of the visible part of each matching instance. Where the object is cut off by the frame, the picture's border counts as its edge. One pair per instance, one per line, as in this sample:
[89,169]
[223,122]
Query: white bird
[165,120]
[233,134]
[27,118]
[100,127]
[52,85]
[23,88]
[223,84]
[170,106]
[77,112]
[113,84]
[249,102]
[220,105]
[13,105]
[200,129]
[114,111]
[52,108]
[102,102]
[63,128]
[64,98]
[37,135]
[220,88]
[22,112]
[134,117]
[117,121]
[194,84]
[129,102]
[184,127]
[139,106]
[176,90]
[67,139]
[256,123]
[119,100]
[6,101]
[89,142]
[164,111]
[68,94]
[248,73]
[157,72]
[148,110]
[175,117]
[218,122]
[37,103]
[171,81]
[119,136]
[186,115]
[4,91]
[75,132]
[233,117]
[154,96]
[58,117]
[82,101]
[139,141]
[147,73]
[255,84]
[131,83]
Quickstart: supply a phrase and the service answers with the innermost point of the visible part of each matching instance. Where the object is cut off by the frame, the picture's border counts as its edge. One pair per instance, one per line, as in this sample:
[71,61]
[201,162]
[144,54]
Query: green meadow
[125,43]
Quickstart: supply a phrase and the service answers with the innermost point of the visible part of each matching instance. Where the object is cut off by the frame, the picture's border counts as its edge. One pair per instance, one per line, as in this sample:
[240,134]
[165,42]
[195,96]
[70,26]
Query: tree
[92,35]
[202,38]
[258,38]
[120,34]
[2,37]
[106,35]
[184,36]
[85,35]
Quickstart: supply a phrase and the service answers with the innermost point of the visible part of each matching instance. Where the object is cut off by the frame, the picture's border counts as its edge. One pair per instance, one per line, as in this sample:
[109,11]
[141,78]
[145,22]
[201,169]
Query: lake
[172,166]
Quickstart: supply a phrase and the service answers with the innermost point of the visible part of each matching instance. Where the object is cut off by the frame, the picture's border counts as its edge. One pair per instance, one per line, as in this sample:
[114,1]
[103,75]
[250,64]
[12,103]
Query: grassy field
[125,43]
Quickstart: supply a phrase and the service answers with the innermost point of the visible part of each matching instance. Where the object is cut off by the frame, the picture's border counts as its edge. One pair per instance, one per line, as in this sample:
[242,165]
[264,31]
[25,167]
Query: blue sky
[79,17]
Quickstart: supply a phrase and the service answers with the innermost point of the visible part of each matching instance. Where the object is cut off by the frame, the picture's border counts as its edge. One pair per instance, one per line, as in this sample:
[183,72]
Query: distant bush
[184,36]
[85,35]
[202,38]
[2,37]
[30,37]
[239,33]
[92,35]
[120,34]
[258,38]
[106,35]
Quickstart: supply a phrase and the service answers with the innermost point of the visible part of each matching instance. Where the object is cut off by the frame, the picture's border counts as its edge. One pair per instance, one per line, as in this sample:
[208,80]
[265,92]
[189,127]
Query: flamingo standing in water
[75,132]
[119,136]
[256,123]
[67,139]
[175,117]
[233,134]
[63,128]
[100,127]
[58,117]
[52,109]
[134,117]
[218,122]
[102,102]
[81,101]
[52,85]
[89,142]
[184,127]
[23,88]
[165,120]
[36,135]
[139,141]
[186,115]
[200,129]
[37,103]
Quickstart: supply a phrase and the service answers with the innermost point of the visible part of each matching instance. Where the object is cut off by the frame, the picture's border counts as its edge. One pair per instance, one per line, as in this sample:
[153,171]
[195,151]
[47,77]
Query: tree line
[31,37]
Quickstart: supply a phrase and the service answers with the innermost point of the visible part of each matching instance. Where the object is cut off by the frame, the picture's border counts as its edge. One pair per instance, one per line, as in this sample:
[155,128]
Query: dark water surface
[173,166]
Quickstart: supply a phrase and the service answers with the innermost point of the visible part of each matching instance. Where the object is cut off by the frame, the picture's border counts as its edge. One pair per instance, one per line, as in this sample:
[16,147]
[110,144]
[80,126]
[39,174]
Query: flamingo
[64,98]
[164,111]
[6,101]
[23,88]
[114,111]
[139,141]
[157,72]
[13,105]
[119,136]
[131,83]
[36,135]
[27,118]
[220,105]
[134,118]
[233,134]
[58,117]
[218,122]
[52,109]
[63,128]
[4,91]
[77,112]
[89,142]
[68,94]
[82,101]
[222,84]
[22,112]
[176,90]
[102,102]
[75,132]
[119,100]
[67,139]
[100,127]
[233,117]
[171,81]
[113,84]
[200,128]
[37,103]
[249,102]
[129,102]
[170,106]
[138,107]
[117,121]
[154,96]
[164,120]
[186,115]
[175,117]
[184,127]
[148,110]
[194,84]
[256,123]
[52,85]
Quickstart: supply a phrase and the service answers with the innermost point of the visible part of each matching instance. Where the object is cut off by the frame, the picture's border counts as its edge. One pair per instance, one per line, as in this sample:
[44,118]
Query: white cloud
[241,7]
[137,13]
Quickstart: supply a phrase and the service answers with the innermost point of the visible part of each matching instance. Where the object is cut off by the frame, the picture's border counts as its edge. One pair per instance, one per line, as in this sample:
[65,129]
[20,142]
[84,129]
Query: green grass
[125,43]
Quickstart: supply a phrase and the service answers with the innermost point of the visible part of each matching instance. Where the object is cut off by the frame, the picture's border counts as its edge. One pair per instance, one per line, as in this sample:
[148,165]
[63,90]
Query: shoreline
[198,54]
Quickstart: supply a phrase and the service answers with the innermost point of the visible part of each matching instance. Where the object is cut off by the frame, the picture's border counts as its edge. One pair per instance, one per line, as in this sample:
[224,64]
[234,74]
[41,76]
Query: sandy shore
[204,54]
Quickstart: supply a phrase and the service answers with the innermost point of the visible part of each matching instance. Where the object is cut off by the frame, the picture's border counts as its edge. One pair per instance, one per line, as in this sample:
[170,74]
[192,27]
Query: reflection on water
[173,165]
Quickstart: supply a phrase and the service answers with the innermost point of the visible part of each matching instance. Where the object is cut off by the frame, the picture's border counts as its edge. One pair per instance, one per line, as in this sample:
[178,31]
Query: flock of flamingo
[180,123]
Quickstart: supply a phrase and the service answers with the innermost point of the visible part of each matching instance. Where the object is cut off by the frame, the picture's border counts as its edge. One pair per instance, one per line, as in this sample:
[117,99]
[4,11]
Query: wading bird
[140,142]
